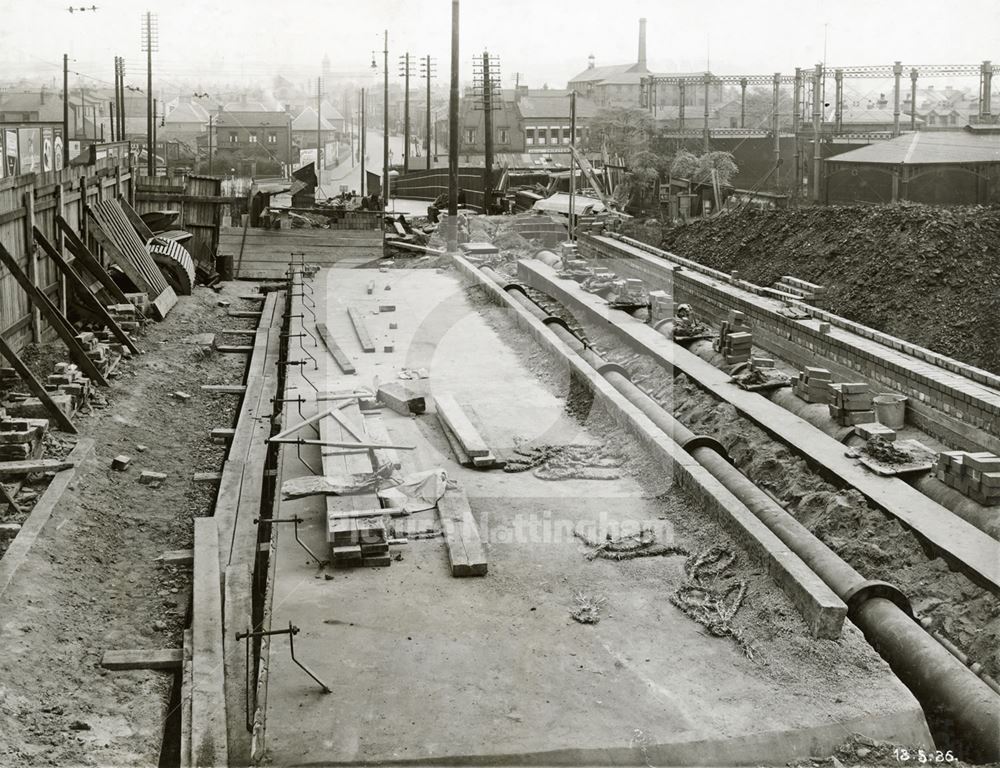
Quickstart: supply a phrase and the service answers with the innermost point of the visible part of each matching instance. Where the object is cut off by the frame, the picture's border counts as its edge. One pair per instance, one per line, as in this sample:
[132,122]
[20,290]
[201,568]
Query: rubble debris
[121,462]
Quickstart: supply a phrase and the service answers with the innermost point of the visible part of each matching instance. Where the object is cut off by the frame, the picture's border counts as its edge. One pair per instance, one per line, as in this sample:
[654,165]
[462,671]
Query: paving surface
[423,666]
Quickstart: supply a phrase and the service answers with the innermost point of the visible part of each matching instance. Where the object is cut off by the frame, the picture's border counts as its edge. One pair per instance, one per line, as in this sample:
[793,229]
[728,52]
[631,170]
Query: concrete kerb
[19,548]
[821,609]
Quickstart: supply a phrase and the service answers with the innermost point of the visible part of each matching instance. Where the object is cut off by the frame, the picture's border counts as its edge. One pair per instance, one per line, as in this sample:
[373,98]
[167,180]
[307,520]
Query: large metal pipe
[939,681]
[986,519]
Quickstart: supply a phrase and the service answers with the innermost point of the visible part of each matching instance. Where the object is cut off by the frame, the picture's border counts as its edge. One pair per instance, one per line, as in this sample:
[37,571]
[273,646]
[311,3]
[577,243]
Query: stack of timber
[466,442]
[356,530]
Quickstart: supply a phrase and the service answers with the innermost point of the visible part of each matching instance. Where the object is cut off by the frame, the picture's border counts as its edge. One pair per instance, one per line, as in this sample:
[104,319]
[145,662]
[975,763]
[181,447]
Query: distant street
[332,178]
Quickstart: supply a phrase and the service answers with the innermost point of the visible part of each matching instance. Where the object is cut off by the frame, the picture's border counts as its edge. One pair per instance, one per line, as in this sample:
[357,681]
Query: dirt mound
[928,275]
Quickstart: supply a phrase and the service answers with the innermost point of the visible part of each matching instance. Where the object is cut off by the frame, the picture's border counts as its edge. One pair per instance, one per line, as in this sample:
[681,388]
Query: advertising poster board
[29,142]
[10,150]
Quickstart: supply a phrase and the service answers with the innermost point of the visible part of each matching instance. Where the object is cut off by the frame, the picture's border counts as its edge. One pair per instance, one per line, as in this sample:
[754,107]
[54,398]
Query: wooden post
[35,387]
[60,211]
[58,321]
[29,247]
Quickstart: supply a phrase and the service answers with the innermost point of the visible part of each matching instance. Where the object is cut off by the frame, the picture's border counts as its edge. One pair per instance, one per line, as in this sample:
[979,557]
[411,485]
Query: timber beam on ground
[238,503]
[962,544]
[47,503]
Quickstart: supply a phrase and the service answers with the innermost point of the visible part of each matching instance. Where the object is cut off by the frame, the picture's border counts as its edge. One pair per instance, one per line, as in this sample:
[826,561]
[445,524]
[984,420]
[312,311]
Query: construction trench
[465,512]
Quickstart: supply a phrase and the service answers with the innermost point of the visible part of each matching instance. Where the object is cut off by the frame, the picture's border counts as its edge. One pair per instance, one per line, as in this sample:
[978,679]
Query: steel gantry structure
[812,81]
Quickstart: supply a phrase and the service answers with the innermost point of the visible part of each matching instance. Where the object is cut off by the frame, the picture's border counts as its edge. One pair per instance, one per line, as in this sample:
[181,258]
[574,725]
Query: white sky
[546,40]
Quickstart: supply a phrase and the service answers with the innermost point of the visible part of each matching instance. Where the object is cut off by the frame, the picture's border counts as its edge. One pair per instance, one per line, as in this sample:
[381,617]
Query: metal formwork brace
[295,522]
[292,631]
[302,346]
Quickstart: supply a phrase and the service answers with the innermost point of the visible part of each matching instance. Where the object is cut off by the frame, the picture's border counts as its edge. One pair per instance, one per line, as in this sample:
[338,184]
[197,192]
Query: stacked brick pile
[813,385]
[661,306]
[851,403]
[8,378]
[21,438]
[358,542]
[735,338]
[977,475]
[126,315]
[69,389]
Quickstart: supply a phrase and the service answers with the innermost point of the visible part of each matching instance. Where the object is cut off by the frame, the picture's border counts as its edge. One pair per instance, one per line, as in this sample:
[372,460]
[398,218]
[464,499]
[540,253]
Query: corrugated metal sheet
[927,148]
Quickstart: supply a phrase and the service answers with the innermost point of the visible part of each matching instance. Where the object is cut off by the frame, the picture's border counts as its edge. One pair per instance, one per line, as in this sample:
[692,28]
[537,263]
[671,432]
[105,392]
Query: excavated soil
[873,543]
[926,274]
[780,641]
[91,582]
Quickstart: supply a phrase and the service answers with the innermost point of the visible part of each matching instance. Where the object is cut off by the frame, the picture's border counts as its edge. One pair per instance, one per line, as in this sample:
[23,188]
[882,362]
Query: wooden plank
[17,551]
[339,356]
[375,426]
[36,388]
[452,414]
[244,313]
[237,349]
[74,281]
[401,399]
[222,433]
[185,757]
[29,225]
[90,262]
[58,321]
[177,557]
[361,330]
[465,549]
[167,658]
[225,389]
[208,699]
[29,466]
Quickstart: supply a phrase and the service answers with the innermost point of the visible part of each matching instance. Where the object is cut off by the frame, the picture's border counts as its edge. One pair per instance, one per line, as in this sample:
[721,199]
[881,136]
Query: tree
[620,130]
[686,165]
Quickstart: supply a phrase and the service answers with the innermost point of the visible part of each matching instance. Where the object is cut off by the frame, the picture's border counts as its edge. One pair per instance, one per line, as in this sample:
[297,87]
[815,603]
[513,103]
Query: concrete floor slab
[492,670]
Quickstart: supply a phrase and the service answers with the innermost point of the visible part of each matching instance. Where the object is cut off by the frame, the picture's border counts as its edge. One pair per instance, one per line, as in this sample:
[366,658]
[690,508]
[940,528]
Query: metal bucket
[890,410]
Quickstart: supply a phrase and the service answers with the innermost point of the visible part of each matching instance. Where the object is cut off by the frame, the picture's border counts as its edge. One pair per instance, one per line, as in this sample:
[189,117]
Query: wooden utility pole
[406,111]
[154,137]
[148,43]
[385,122]
[488,129]
[211,163]
[319,128]
[427,138]
[572,162]
[364,139]
[65,110]
[453,138]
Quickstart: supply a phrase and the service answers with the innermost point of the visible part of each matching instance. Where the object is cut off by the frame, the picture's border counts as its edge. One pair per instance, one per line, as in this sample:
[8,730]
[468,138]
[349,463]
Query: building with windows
[526,121]
[616,85]
[254,143]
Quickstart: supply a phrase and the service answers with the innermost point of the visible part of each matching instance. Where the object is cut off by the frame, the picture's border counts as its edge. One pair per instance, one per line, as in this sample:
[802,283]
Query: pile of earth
[927,274]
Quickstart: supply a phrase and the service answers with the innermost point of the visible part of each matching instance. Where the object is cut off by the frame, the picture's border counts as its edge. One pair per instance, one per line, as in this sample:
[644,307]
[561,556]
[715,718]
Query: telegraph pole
[364,140]
[484,73]
[405,59]
[385,122]
[154,137]
[452,234]
[211,159]
[572,162]
[65,110]
[149,44]
[428,71]
[319,127]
